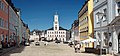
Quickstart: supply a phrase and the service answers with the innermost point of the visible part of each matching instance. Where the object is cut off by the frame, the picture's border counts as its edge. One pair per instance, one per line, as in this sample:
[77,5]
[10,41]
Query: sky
[38,14]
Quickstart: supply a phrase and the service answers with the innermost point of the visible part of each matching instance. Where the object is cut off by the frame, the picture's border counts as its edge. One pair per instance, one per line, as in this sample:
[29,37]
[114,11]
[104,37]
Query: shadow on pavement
[13,51]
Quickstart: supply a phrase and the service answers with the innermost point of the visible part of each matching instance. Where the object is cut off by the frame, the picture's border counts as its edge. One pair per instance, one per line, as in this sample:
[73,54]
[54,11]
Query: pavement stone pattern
[51,49]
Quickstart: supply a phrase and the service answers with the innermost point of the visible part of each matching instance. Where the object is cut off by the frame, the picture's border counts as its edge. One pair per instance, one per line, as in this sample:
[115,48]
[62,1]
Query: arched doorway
[119,43]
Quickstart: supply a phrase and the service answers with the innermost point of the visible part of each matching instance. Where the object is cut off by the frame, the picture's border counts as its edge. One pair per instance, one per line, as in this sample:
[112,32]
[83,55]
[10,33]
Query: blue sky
[38,14]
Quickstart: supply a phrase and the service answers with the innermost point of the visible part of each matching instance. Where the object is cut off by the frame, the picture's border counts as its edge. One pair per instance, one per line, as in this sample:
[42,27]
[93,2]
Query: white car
[27,44]
[37,43]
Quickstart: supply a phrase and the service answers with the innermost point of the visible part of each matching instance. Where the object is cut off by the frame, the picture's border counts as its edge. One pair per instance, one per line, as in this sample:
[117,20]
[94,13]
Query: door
[119,43]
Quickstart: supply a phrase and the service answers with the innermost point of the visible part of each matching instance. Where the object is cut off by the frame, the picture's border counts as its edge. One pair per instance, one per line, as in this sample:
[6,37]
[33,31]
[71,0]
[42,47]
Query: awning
[88,40]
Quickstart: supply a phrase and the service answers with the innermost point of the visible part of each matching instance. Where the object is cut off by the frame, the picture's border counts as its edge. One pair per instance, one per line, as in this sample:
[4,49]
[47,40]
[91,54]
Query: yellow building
[85,16]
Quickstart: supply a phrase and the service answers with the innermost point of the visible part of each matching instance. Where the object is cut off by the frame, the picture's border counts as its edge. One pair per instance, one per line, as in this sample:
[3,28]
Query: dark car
[37,43]
[57,41]
[65,42]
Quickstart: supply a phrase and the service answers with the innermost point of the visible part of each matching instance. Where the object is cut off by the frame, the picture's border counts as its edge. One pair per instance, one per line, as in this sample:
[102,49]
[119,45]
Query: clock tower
[56,22]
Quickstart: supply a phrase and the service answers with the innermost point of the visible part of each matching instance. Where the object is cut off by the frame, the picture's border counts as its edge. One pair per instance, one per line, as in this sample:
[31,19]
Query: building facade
[107,25]
[75,31]
[34,36]
[3,23]
[10,24]
[56,32]
[86,27]
[101,32]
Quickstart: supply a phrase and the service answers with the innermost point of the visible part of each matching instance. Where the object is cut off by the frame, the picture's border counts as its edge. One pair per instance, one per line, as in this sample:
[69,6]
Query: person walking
[75,47]
[78,47]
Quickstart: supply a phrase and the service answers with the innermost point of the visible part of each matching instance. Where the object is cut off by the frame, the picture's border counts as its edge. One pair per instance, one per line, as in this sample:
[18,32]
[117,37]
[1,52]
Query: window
[0,21]
[86,19]
[2,37]
[6,10]
[55,32]
[55,22]
[0,4]
[104,16]
[48,35]
[96,1]
[97,19]
[118,3]
[55,28]
[119,11]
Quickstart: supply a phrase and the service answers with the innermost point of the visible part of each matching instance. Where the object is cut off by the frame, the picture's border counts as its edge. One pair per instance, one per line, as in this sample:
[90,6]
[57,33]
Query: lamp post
[100,19]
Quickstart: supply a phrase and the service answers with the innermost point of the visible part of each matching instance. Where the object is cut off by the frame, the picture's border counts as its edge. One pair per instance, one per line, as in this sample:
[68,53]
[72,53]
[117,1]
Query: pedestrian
[78,47]
[2,43]
[75,47]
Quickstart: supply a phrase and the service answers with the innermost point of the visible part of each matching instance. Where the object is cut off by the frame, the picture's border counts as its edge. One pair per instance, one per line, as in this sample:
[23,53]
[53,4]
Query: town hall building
[56,32]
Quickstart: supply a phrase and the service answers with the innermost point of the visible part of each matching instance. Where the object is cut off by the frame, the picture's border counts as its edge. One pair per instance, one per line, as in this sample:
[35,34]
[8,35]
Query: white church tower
[56,22]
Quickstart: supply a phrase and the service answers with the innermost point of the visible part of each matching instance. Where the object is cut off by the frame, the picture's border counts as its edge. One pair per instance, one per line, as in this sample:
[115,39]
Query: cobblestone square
[51,49]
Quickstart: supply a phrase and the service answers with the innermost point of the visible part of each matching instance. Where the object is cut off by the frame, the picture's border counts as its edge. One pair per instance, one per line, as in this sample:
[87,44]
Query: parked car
[65,42]
[27,44]
[37,43]
[57,41]
[31,40]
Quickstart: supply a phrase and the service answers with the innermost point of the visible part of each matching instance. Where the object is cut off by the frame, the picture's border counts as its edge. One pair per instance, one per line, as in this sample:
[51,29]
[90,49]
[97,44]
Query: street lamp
[100,19]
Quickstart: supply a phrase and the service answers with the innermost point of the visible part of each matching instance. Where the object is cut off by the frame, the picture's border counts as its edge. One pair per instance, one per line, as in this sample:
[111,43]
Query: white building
[34,37]
[56,32]
[107,26]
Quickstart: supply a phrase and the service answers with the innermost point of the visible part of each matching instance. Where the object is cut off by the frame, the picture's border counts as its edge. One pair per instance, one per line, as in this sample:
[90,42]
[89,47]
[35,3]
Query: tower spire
[56,13]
